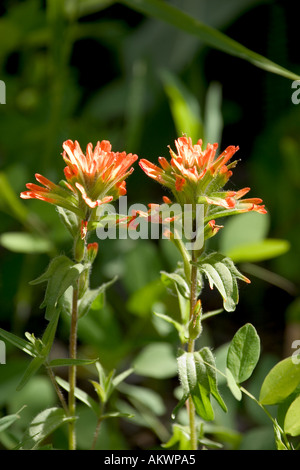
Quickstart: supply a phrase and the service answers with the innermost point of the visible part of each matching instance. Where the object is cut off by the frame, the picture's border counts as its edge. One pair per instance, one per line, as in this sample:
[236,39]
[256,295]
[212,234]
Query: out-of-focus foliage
[96,69]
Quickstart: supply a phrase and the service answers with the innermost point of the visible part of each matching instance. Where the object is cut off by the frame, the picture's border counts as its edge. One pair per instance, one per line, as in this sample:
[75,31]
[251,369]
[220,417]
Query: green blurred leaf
[156,360]
[25,243]
[292,418]
[259,251]
[184,106]
[280,382]
[8,420]
[243,353]
[212,37]
[141,302]
[242,230]
[71,362]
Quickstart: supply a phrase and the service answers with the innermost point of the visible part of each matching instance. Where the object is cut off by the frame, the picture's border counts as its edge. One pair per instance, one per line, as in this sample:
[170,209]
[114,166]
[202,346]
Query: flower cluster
[91,180]
[193,176]
[196,176]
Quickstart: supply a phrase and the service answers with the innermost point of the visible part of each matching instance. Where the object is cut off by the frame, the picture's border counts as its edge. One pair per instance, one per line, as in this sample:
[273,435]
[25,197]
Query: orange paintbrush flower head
[196,176]
[92,179]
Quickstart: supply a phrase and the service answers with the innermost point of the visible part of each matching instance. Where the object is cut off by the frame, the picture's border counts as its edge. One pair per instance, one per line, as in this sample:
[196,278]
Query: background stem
[72,369]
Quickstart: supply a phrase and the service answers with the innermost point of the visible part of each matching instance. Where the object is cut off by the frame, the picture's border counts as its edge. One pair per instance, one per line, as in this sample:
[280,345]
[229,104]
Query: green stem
[190,347]
[72,369]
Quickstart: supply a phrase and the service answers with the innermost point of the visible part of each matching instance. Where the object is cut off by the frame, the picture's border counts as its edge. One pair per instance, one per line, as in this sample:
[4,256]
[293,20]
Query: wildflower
[92,179]
[197,176]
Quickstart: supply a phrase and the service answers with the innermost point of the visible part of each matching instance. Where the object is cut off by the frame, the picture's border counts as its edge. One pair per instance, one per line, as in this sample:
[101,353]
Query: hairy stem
[191,343]
[72,369]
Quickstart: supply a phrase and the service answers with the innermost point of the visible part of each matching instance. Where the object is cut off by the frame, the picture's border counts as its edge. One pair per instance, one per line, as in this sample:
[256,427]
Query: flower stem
[72,369]
[191,344]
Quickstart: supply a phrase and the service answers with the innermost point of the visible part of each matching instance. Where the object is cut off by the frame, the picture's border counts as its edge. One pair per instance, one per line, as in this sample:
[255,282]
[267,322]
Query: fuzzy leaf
[60,275]
[222,274]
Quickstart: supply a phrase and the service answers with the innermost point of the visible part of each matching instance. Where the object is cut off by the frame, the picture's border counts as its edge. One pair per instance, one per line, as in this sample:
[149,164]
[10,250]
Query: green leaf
[280,382]
[197,375]
[39,360]
[176,280]
[210,363]
[243,353]
[80,395]
[221,273]
[156,360]
[212,37]
[180,328]
[8,420]
[44,424]
[32,369]
[69,219]
[22,242]
[180,435]
[20,343]
[259,251]
[91,295]
[243,229]
[292,418]
[60,275]
[71,362]
[234,388]
[184,106]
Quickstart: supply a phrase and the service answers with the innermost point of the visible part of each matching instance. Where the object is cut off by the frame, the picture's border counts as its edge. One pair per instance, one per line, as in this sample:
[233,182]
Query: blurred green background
[93,70]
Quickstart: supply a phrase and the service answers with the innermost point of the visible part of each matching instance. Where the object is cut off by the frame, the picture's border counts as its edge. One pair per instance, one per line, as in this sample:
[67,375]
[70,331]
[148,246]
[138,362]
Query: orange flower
[196,176]
[92,179]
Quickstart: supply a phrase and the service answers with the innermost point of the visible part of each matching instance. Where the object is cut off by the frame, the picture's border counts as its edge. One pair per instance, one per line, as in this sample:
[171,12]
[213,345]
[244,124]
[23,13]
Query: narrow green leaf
[212,37]
[31,370]
[122,376]
[8,420]
[80,395]
[71,362]
[20,343]
[184,106]
[44,424]
[243,353]
[280,382]
[234,388]
[292,418]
